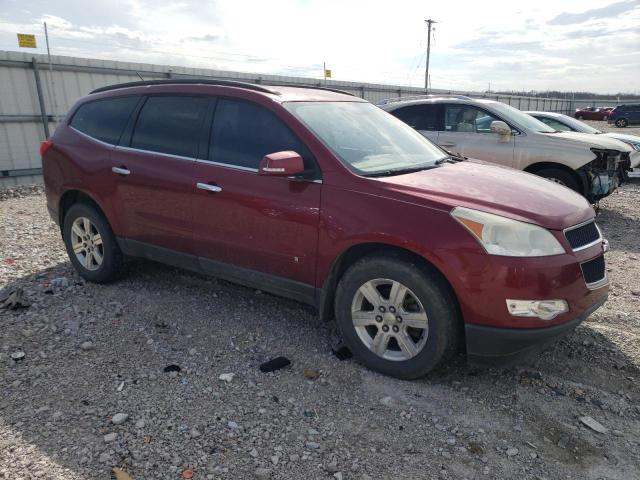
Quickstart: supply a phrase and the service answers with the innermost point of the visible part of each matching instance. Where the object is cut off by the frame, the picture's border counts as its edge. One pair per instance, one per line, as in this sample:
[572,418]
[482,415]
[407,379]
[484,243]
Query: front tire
[91,244]
[621,122]
[398,318]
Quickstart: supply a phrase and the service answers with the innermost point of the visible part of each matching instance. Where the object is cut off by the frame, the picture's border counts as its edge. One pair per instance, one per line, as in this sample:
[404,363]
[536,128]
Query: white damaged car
[559,121]
[593,166]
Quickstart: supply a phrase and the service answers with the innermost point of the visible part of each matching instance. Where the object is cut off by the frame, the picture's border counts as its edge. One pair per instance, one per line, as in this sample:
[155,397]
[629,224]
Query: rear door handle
[208,187]
[120,171]
[450,144]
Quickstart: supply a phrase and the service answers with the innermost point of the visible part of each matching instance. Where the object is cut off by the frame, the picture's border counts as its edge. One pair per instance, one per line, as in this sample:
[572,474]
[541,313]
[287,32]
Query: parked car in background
[322,197]
[591,113]
[624,115]
[565,123]
[495,132]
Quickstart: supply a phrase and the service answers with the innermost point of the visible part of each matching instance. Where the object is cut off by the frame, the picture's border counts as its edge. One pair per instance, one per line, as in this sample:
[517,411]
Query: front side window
[243,133]
[466,118]
[170,124]
[105,119]
[420,117]
[366,138]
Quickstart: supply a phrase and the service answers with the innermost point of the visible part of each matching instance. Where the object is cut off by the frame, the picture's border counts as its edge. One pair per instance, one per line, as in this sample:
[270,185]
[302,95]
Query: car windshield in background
[366,138]
[522,119]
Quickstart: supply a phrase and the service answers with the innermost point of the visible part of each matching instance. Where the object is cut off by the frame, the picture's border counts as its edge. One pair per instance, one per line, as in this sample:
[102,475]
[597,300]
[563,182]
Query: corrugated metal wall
[21,124]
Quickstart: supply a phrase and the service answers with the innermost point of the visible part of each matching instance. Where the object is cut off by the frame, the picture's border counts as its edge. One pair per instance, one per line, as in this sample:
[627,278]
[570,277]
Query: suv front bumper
[492,346]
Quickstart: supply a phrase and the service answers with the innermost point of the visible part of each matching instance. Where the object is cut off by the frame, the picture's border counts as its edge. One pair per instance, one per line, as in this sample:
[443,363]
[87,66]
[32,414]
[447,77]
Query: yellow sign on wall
[327,73]
[26,40]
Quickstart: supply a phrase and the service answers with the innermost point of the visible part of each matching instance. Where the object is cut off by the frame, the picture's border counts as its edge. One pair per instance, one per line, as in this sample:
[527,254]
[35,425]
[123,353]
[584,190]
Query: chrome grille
[583,236]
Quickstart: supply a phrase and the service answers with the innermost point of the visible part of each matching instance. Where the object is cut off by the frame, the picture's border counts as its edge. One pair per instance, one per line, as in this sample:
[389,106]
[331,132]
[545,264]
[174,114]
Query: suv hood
[623,136]
[590,140]
[500,190]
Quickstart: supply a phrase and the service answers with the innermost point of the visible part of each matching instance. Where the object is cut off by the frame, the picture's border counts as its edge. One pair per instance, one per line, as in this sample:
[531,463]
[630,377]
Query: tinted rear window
[420,117]
[170,125]
[104,119]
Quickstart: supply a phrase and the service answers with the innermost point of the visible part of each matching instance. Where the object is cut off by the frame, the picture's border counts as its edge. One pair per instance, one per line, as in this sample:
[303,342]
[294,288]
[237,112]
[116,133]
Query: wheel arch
[534,168]
[362,250]
[73,196]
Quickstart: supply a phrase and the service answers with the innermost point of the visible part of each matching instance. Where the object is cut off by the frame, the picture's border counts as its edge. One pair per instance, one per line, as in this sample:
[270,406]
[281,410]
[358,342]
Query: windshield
[520,118]
[577,125]
[366,138]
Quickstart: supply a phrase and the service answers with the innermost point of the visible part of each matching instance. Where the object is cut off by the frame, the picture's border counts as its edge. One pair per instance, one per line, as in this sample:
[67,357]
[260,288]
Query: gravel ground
[94,352]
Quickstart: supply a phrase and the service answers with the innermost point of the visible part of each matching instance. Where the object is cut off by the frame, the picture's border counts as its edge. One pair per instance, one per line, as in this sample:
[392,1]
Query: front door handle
[208,187]
[450,144]
[120,171]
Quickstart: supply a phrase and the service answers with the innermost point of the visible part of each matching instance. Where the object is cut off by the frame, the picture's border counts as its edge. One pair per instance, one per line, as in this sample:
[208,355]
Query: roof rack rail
[419,97]
[313,87]
[189,81]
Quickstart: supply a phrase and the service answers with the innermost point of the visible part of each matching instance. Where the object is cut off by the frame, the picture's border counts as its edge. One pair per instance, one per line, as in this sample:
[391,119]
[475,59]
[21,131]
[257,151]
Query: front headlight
[504,236]
[636,146]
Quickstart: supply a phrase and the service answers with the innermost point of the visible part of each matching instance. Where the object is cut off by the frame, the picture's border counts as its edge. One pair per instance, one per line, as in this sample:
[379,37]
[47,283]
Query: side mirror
[281,164]
[501,128]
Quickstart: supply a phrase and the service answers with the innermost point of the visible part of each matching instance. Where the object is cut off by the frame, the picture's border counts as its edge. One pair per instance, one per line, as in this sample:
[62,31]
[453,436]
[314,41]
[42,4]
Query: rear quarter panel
[76,162]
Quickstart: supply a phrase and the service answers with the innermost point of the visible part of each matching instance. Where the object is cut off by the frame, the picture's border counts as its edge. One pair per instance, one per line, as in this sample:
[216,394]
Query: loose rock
[262,473]
[119,418]
[593,425]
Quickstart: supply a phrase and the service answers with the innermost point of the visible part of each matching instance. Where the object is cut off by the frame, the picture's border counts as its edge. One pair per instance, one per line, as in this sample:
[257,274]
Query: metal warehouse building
[33,98]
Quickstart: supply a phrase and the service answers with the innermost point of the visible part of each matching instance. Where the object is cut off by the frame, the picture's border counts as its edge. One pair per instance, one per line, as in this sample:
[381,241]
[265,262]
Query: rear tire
[91,244]
[560,176]
[580,117]
[621,122]
[420,326]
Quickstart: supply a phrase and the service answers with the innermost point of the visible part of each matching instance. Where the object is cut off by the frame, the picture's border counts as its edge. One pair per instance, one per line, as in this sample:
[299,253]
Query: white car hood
[592,140]
[624,137]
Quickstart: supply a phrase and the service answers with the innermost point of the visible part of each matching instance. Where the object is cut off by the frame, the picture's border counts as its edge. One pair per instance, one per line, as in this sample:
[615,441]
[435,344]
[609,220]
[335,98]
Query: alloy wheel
[389,319]
[86,243]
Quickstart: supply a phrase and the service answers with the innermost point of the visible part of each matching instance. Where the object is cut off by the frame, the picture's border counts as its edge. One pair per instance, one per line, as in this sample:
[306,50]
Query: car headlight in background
[505,236]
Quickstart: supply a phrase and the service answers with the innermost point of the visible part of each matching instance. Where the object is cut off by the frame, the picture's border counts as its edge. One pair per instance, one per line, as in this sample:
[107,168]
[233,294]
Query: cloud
[54,21]
[527,46]
[613,10]
[205,38]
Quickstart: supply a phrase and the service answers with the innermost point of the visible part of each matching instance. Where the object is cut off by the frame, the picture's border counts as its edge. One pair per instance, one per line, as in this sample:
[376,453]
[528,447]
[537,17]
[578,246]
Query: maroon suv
[322,197]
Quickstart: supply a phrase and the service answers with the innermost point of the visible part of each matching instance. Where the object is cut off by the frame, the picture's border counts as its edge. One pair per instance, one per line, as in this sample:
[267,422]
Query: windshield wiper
[451,159]
[401,171]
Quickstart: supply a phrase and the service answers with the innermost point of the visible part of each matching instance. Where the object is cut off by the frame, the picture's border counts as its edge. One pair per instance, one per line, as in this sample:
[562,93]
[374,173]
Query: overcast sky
[589,45]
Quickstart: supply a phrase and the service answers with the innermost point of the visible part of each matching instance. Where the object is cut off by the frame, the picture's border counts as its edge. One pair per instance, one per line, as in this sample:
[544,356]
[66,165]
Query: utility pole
[426,73]
[51,83]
